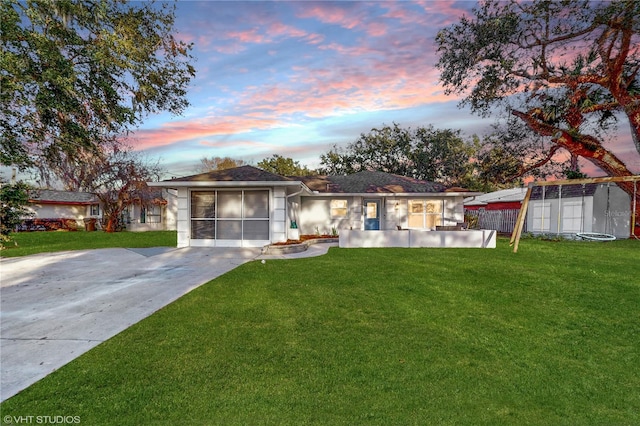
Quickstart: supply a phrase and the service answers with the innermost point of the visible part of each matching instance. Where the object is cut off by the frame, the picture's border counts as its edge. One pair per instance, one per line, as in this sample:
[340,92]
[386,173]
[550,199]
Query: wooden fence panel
[501,220]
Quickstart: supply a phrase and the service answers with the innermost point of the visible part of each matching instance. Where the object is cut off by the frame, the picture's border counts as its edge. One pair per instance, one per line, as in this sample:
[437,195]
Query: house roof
[502,196]
[365,182]
[370,182]
[564,191]
[52,196]
[236,174]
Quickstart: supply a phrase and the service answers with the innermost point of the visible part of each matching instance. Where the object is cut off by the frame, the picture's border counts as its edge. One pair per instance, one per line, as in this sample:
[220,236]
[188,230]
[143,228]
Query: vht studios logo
[40,420]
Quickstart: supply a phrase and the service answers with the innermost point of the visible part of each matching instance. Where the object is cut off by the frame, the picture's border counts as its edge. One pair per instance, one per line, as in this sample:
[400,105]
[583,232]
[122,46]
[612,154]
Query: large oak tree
[567,69]
[423,153]
[78,73]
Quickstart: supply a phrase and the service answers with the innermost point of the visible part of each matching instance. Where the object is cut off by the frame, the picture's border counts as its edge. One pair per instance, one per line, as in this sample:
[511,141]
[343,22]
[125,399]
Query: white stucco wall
[183,222]
[315,214]
[278,215]
[61,211]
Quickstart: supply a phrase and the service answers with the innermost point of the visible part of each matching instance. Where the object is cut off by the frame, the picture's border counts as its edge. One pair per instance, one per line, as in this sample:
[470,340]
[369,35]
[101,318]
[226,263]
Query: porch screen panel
[230,204]
[203,204]
[229,229]
[203,229]
[256,230]
[256,204]
[230,215]
[203,212]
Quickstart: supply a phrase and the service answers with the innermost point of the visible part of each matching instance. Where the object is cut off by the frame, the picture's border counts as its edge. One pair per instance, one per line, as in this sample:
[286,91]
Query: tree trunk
[112,223]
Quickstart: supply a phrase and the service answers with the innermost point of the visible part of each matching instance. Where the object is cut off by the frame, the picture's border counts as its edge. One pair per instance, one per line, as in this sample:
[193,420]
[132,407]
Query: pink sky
[295,78]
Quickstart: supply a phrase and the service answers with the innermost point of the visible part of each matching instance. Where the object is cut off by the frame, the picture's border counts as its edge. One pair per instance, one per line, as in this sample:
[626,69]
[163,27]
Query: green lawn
[547,336]
[38,242]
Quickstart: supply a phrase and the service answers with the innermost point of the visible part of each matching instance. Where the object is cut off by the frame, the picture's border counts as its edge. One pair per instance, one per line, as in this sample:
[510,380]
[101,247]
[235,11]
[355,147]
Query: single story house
[159,215]
[50,207]
[54,205]
[569,209]
[495,210]
[249,207]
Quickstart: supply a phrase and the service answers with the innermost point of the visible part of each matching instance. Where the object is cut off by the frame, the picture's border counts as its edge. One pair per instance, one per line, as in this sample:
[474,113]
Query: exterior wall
[552,222]
[62,211]
[183,222]
[315,214]
[453,210]
[414,238]
[170,217]
[279,223]
[608,211]
[612,211]
[292,221]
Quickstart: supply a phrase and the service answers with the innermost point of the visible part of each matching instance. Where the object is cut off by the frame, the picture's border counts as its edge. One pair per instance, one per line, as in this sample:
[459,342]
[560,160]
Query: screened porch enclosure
[230,217]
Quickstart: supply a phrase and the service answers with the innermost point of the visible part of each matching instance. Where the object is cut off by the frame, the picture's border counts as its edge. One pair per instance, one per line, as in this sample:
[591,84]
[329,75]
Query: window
[95,210]
[153,214]
[572,216]
[230,215]
[541,217]
[339,208]
[425,214]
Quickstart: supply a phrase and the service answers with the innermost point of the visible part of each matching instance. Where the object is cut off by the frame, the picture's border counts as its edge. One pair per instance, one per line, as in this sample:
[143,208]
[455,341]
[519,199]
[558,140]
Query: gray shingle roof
[371,182]
[357,183]
[62,197]
[236,174]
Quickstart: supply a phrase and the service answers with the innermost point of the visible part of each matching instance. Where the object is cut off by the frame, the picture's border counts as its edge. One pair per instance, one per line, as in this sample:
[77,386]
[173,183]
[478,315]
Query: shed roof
[502,196]
[565,191]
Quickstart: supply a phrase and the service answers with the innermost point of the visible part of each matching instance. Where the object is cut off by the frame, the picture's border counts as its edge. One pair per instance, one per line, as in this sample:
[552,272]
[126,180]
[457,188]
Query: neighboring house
[570,209]
[56,205]
[249,207]
[53,204]
[496,210]
[160,215]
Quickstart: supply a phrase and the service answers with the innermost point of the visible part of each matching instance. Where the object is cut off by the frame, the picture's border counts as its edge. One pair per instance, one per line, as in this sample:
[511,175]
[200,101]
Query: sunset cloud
[294,78]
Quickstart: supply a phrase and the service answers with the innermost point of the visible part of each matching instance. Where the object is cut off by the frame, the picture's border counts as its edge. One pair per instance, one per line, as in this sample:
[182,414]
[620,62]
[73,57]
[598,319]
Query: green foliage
[424,153]
[377,336]
[567,69]
[208,164]
[284,166]
[76,73]
[13,201]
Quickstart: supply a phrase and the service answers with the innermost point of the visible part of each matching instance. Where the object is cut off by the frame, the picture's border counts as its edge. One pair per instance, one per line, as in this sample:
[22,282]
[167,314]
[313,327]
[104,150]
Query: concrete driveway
[56,306]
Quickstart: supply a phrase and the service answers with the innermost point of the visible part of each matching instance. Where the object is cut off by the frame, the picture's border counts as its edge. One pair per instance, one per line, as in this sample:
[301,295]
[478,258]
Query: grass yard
[39,242]
[547,336]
